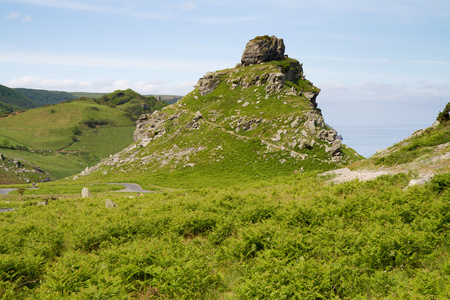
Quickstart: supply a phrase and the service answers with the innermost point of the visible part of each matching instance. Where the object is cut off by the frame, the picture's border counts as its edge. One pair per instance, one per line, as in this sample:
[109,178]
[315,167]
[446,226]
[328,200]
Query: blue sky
[380,64]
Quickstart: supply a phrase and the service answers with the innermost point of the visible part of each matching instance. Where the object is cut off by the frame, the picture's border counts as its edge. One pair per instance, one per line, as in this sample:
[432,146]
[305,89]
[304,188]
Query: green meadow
[290,237]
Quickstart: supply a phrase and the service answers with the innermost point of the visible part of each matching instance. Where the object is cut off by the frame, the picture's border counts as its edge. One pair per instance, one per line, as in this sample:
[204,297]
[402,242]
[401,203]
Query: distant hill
[11,100]
[131,102]
[44,97]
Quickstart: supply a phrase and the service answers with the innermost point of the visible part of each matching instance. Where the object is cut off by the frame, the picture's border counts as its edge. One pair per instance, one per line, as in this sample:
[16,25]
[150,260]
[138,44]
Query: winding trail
[132,188]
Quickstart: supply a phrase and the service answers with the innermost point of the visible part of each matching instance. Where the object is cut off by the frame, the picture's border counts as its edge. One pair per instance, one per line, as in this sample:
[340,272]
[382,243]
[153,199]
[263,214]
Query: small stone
[110,204]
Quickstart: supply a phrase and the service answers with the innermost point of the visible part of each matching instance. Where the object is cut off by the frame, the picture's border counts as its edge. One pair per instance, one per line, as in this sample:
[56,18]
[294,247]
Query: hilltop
[257,120]
[11,100]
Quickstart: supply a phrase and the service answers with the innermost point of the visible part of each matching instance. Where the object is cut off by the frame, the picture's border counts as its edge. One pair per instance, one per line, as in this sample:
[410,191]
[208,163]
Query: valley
[247,193]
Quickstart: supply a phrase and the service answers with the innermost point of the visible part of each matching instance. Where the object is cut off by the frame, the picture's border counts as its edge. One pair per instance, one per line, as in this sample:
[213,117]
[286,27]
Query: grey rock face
[275,82]
[335,148]
[263,49]
[85,193]
[208,83]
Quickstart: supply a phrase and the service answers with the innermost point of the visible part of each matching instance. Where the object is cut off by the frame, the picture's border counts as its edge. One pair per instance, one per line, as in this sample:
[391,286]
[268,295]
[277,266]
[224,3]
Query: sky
[383,66]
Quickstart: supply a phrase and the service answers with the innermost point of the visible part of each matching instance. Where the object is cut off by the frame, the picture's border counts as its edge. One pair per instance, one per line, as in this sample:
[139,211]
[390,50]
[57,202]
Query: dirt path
[132,188]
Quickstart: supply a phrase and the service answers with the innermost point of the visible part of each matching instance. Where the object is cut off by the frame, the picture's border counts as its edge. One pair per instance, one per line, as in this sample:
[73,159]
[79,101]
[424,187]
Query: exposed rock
[198,116]
[85,193]
[42,203]
[420,181]
[328,136]
[312,98]
[294,124]
[263,49]
[150,128]
[335,148]
[110,204]
[275,83]
[208,83]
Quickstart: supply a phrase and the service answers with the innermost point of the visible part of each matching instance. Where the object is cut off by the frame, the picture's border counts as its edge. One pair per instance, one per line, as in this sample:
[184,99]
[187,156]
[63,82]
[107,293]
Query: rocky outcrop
[263,49]
[150,127]
[207,83]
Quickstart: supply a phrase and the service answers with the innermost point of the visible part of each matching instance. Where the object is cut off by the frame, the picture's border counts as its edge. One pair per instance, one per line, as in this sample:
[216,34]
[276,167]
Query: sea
[367,140]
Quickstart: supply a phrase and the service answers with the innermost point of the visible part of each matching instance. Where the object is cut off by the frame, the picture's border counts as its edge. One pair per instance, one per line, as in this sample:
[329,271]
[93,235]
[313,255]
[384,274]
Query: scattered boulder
[85,193]
[198,116]
[335,148]
[110,204]
[419,181]
[43,203]
[263,49]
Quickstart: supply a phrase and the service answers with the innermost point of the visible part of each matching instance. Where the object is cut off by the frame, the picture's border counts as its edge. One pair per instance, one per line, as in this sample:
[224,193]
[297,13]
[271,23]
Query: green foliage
[285,238]
[444,116]
[416,146]
[44,97]
[11,100]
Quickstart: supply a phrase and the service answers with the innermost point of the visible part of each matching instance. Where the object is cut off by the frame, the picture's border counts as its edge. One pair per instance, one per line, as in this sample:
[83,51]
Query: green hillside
[11,100]
[44,97]
[241,207]
[244,133]
[66,138]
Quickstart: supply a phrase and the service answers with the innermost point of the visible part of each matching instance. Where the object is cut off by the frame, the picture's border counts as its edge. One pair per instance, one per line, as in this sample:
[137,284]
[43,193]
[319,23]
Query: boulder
[85,193]
[198,116]
[263,49]
[420,181]
[335,148]
[110,204]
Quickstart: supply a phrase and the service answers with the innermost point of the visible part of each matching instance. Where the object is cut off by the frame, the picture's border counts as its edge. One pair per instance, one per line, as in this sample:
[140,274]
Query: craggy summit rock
[263,49]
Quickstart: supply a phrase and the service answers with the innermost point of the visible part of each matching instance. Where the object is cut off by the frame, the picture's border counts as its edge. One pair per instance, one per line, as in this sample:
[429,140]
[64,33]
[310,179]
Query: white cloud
[26,19]
[13,16]
[156,86]
[153,64]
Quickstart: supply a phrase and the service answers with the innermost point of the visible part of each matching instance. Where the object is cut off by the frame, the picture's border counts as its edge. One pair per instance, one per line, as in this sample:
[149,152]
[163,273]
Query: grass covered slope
[426,151]
[295,237]
[66,138]
[246,127]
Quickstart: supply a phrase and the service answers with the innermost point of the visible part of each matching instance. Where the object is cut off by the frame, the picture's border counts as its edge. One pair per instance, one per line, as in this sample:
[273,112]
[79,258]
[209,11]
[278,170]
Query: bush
[444,115]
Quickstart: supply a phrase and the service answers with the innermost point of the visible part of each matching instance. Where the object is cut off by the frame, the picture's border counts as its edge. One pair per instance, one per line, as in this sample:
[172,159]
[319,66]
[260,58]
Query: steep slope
[253,121]
[11,100]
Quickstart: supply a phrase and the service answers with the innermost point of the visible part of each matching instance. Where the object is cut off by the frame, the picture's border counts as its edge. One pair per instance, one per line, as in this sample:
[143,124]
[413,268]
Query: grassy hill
[244,133]
[59,139]
[11,100]
[426,151]
[233,216]
[66,138]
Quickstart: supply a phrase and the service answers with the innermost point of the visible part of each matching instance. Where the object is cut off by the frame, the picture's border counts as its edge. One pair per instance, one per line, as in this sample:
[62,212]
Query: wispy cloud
[156,86]
[112,62]
[13,16]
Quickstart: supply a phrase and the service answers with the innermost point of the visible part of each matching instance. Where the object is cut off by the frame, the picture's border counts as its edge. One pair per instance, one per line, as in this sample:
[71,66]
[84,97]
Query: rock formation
[270,104]
[263,49]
